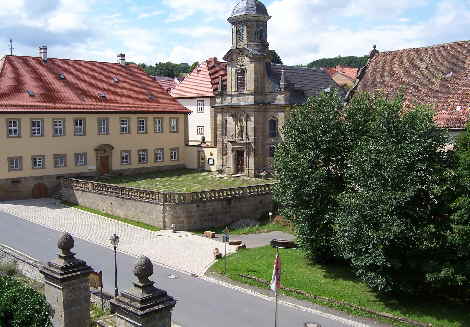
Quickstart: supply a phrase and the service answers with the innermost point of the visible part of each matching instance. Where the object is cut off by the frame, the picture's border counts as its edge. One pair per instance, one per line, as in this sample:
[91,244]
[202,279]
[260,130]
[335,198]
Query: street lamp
[270,217]
[115,241]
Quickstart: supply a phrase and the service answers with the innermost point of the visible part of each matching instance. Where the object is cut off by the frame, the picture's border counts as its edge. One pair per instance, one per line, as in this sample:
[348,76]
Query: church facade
[252,110]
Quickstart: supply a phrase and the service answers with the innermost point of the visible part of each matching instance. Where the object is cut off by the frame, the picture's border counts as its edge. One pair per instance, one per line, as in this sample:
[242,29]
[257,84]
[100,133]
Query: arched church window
[273,127]
[240,34]
[260,33]
[241,80]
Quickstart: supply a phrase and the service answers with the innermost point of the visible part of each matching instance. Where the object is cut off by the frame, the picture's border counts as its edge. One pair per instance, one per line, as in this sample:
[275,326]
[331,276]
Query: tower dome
[249,7]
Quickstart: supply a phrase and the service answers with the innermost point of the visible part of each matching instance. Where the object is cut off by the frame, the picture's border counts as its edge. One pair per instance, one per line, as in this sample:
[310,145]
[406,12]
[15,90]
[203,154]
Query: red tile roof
[203,81]
[127,88]
[350,72]
[167,83]
[437,75]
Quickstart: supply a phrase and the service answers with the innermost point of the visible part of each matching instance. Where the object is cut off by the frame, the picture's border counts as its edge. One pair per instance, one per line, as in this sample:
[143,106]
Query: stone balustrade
[136,194]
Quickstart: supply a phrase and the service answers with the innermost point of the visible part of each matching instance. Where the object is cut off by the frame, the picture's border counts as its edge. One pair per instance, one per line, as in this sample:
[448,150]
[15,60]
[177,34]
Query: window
[174,154]
[38,162]
[240,34]
[200,130]
[143,156]
[79,127]
[81,159]
[14,127]
[174,125]
[273,129]
[271,151]
[158,125]
[36,127]
[224,127]
[142,125]
[125,157]
[200,106]
[159,155]
[103,126]
[241,80]
[15,163]
[124,125]
[60,161]
[58,127]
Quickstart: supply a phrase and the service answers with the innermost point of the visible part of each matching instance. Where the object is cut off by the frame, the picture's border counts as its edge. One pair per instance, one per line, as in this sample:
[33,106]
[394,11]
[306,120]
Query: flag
[276,280]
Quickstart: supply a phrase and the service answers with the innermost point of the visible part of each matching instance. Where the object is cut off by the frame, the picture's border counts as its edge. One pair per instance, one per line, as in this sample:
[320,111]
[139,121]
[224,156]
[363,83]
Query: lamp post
[270,217]
[115,241]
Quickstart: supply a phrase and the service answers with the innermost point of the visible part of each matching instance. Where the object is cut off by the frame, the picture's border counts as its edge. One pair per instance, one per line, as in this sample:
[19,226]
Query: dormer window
[61,76]
[30,93]
[115,79]
[152,97]
[102,96]
[241,80]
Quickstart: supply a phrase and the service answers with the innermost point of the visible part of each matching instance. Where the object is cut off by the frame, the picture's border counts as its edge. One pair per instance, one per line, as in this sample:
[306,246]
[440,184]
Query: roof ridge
[75,60]
[2,64]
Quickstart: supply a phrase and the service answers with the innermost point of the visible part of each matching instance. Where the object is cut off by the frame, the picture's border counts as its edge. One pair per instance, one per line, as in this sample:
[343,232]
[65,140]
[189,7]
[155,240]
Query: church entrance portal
[239,162]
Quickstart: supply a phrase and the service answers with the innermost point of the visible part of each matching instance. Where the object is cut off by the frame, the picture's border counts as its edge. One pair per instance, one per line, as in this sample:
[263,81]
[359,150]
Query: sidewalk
[181,251]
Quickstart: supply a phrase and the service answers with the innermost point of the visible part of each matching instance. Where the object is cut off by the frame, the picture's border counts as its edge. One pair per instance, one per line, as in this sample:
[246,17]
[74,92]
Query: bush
[22,306]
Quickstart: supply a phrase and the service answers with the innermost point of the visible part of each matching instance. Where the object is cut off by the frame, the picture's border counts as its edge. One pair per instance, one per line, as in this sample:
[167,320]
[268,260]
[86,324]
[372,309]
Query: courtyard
[184,180]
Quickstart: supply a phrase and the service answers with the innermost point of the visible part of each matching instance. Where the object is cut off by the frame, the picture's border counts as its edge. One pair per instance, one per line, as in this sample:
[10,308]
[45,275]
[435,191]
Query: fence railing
[136,194]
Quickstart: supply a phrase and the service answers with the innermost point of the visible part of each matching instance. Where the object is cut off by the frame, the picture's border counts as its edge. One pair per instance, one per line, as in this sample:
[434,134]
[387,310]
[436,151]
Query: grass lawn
[263,227]
[336,282]
[183,181]
[123,220]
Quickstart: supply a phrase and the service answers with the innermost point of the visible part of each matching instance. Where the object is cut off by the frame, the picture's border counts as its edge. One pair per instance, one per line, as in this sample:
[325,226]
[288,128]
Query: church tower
[249,54]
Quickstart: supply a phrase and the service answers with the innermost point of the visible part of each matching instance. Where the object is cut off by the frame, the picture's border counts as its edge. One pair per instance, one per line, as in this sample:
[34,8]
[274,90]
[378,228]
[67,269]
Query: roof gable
[203,81]
[85,85]
[436,75]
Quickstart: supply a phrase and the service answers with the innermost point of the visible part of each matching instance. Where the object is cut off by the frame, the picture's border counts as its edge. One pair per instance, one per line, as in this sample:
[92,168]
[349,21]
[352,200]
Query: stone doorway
[239,162]
[104,155]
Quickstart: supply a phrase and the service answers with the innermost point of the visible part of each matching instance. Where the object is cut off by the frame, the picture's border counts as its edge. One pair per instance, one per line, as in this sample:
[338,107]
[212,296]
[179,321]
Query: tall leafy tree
[350,61]
[275,58]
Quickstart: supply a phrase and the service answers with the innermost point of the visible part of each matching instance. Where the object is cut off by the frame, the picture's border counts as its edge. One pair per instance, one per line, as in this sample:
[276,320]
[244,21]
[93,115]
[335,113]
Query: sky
[150,31]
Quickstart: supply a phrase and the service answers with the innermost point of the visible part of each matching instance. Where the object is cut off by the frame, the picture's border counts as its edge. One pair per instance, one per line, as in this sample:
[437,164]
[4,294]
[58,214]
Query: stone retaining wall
[188,211]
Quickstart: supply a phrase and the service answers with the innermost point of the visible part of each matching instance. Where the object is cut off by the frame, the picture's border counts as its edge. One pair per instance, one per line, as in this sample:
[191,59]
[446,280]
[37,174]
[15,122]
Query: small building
[250,114]
[197,93]
[437,76]
[342,75]
[61,117]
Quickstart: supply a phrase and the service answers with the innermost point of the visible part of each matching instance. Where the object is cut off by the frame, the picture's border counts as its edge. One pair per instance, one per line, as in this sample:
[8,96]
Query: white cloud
[182,9]
[150,14]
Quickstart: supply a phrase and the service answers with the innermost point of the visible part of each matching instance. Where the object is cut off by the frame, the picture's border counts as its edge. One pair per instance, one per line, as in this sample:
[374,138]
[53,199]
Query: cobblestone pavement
[181,251]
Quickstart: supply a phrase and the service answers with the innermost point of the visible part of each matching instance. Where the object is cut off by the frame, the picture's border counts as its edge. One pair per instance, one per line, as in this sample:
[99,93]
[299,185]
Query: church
[250,112]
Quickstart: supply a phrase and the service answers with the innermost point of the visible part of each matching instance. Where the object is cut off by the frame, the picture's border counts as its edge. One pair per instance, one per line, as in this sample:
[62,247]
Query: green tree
[22,306]
[275,59]
[350,61]
[310,166]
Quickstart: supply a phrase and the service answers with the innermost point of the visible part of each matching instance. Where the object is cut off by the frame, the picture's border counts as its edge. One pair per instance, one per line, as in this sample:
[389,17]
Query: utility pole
[11,47]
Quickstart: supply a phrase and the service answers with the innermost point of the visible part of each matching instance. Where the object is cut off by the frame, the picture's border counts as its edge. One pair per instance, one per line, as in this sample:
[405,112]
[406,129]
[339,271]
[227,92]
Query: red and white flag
[276,280]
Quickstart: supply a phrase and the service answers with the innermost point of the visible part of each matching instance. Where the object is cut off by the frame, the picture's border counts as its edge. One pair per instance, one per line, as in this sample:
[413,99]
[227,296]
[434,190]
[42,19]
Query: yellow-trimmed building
[61,117]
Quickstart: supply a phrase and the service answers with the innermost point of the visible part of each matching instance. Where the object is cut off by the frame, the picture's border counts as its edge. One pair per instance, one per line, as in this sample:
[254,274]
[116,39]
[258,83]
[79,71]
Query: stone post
[144,305]
[67,286]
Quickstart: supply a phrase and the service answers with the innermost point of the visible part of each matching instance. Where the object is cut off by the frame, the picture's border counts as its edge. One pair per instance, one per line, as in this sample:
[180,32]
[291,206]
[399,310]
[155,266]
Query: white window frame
[60,160]
[17,163]
[79,128]
[128,161]
[124,124]
[158,125]
[12,130]
[142,156]
[159,155]
[200,106]
[200,130]
[58,127]
[81,159]
[142,125]
[38,130]
[174,154]
[103,129]
[35,160]
[173,125]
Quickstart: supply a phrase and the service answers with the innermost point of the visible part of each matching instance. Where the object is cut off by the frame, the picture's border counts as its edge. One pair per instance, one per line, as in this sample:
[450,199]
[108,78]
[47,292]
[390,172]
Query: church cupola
[249,20]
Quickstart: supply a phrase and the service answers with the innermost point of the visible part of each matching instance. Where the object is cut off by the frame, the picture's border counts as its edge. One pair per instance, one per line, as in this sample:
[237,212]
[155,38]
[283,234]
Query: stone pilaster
[144,305]
[67,287]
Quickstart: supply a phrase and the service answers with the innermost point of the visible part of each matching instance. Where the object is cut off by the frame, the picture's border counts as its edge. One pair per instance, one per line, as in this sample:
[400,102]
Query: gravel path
[181,251]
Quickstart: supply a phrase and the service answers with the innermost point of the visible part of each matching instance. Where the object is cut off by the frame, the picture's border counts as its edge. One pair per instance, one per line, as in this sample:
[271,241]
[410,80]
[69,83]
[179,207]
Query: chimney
[43,52]
[122,59]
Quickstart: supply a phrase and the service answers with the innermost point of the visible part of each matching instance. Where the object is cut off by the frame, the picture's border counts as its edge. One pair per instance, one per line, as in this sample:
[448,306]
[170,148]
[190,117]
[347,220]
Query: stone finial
[283,82]
[373,52]
[66,243]
[143,270]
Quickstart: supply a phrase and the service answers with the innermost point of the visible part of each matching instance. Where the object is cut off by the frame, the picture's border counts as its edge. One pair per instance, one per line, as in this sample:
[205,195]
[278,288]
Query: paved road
[201,303]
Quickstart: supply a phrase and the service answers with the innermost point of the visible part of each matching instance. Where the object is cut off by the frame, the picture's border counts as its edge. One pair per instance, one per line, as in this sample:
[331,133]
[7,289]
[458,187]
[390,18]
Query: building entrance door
[40,190]
[239,162]
[104,165]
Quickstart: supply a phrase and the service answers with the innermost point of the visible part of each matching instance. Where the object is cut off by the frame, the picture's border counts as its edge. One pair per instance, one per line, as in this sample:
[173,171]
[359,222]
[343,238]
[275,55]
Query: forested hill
[350,61]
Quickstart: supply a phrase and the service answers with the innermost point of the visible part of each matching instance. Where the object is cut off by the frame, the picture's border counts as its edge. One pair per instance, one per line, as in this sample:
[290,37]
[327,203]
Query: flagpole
[275,312]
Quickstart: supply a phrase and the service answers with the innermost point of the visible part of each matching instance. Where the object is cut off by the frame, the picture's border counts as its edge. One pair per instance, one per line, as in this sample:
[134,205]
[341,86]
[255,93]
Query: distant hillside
[351,61]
